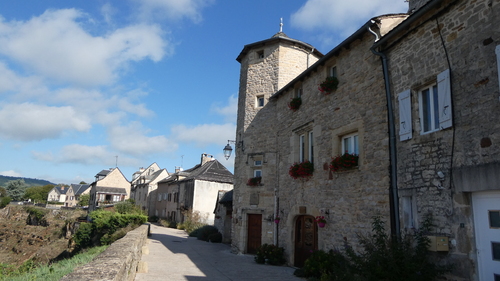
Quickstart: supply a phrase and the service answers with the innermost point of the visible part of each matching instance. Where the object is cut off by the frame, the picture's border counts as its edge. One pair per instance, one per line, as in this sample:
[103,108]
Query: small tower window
[260,101]
[260,54]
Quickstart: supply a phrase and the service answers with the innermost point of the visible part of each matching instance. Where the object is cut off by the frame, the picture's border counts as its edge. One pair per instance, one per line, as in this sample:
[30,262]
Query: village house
[223,214]
[443,66]
[74,192]
[431,74]
[57,195]
[110,186]
[144,182]
[194,189]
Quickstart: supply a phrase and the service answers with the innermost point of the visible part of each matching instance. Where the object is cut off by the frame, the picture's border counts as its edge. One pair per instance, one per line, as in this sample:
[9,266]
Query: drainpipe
[393,194]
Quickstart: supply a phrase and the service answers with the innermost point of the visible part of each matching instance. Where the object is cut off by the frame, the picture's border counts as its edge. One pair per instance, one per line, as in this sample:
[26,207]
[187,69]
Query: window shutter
[405,126]
[444,93]
[497,51]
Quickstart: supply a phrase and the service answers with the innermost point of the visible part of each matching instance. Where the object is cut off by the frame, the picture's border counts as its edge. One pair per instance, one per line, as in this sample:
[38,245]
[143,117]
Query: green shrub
[193,220]
[181,226]
[36,216]
[83,236]
[331,265]
[206,231]
[194,233]
[4,201]
[215,237]
[153,219]
[406,259]
[128,207]
[271,254]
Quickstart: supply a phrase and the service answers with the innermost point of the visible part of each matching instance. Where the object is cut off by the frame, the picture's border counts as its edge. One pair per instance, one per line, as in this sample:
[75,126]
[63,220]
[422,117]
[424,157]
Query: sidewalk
[175,256]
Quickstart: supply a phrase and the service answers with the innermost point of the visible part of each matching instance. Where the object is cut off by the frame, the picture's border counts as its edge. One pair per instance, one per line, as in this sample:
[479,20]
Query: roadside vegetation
[381,258]
[195,226]
[52,272]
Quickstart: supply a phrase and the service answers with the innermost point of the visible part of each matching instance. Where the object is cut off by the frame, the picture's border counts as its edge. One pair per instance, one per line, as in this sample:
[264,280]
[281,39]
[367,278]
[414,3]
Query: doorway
[254,233]
[486,208]
[306,239]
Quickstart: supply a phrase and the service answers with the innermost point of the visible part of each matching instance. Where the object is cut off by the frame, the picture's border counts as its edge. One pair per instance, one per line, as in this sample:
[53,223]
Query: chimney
[414,5]
[206,158]
[141,169]
[177,169]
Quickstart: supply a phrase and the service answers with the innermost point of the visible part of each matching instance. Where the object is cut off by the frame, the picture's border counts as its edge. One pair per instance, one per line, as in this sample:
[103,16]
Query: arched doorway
[306,239]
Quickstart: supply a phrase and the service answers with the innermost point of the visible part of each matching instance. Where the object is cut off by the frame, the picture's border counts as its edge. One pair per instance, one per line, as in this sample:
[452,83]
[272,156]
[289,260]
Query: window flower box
[329,85]
[295,103]
[254,181]
[303,170]
[344,162]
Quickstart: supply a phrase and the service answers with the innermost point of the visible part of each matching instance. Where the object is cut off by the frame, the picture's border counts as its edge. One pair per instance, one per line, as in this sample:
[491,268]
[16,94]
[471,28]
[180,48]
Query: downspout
[393,194]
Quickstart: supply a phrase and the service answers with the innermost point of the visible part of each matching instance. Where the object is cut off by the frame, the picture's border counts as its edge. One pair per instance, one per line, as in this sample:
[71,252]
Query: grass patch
[57,270]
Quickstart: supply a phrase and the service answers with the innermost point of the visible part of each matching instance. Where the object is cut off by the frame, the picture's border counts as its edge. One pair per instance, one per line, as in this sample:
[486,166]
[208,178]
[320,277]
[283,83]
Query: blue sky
[82,82]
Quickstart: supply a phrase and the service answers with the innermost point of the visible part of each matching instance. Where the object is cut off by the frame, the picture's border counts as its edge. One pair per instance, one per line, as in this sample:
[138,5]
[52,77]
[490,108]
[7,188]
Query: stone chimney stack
[206,158]
[414,5]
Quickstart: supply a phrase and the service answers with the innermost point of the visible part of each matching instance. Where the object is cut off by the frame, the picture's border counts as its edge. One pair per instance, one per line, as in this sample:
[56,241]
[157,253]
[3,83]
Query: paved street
[175,256]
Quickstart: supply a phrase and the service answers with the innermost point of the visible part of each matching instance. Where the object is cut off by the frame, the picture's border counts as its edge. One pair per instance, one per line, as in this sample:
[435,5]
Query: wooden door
[306,239]
[254,235]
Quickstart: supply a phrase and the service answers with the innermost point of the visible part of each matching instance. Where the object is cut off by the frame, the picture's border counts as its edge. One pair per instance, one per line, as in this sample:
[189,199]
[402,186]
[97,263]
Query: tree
[38,193]
[82,182]
[3,192]
[15,189]
[84,200]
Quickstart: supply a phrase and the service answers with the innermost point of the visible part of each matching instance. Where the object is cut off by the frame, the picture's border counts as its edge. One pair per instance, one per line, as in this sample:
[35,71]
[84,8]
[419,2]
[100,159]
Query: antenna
[182,160]
[116,161]
[281,24]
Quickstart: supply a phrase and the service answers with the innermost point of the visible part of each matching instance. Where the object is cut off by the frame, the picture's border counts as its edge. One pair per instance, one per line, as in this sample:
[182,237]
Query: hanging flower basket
[329,85]
[303,170]
[254,181]
[321,221]
[295,103]
[344,162]
[277,220]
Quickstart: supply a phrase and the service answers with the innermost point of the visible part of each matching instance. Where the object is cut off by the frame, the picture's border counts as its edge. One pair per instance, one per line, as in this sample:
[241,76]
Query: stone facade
[441,170]
[272,143]
[144,183]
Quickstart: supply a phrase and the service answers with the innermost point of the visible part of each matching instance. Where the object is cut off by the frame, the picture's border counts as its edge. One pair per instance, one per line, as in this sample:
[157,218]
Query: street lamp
[228,149]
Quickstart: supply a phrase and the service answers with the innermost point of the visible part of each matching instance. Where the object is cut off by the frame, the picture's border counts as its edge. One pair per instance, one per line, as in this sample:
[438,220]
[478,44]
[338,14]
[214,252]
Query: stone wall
[460,36]
[118,262]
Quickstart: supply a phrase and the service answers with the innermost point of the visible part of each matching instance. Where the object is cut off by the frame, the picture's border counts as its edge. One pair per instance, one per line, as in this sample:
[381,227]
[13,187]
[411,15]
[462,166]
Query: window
[257,163]
[333,71]
[306,147]
[260,101]
[260,54]
[435,105]
[350,144]
[408,211]
[298,92]
[257,173]
[170,197]
[429,110]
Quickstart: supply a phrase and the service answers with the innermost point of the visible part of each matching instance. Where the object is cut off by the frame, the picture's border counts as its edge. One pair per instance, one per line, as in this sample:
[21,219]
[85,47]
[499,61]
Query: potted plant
[329,85]
[320,220]
[345,161]
[254,181]
[302,170]
[295,103]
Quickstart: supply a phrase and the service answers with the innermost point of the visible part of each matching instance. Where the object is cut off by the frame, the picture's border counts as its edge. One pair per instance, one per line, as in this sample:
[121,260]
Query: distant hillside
[28,181]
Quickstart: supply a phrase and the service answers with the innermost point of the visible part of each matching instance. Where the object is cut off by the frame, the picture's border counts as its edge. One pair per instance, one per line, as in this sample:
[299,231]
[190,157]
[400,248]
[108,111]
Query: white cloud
[205,134]
[87,155]
[56,45]
[343,17]
[29,121]
[132,140]
[11,173]
[172,9]
[229,111]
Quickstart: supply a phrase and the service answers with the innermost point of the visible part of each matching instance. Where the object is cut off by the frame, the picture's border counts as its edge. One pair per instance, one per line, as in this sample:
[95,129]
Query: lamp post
[228,149]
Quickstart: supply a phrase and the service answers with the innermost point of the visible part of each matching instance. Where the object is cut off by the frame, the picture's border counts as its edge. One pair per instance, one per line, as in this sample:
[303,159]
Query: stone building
[271,138]
[417,100]
[144,183]
[194,189]
[443,65]
[110,186]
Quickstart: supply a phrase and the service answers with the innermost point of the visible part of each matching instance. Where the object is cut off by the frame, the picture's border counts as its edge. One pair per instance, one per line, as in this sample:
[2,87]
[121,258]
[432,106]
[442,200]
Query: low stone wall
[118,262]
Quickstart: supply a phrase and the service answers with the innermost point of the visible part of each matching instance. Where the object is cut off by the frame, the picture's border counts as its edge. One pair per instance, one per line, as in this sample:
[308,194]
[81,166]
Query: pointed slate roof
[61,189]
[79,188]
[211,171]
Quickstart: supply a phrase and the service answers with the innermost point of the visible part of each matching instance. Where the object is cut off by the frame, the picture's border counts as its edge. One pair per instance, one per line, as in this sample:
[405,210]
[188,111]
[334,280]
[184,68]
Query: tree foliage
[38,193]
[3,192]
[84,200]
[16,189]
